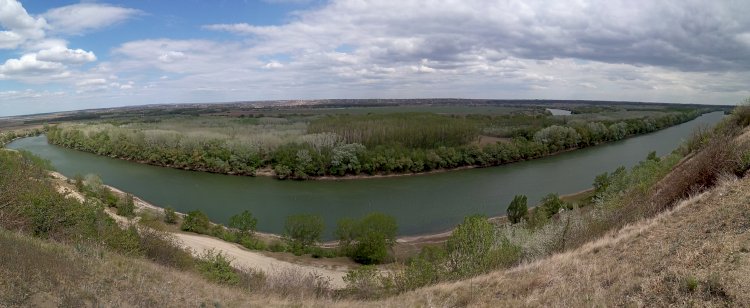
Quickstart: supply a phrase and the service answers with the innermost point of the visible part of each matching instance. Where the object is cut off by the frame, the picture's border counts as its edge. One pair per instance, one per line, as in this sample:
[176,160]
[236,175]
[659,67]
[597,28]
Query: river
[421,204]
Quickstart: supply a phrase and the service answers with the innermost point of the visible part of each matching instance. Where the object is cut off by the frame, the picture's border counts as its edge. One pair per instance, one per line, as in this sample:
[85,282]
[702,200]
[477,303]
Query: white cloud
[92,82]
[84,17]
[64,55]
[29,65]
[273,65]
[19,26]
[171,56]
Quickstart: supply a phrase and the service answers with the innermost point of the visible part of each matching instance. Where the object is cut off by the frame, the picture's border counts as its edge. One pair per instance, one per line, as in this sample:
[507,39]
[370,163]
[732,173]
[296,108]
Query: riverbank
[406,245]
[333,270]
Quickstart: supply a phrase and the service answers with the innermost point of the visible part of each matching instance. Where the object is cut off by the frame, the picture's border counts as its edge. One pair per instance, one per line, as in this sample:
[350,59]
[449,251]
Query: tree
[518,209]
[195,221]
[551,204]
[245,222]
[367,241]
[469,246]
[126,206]
[170,216]
[302,231]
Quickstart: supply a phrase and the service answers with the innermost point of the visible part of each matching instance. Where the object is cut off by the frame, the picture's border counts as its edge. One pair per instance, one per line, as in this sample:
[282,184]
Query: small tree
[518,209]
[126,206]
[367,241]
[196,221]
[469,246]
[302,231]
[170,216]
[551,204]
[245,222]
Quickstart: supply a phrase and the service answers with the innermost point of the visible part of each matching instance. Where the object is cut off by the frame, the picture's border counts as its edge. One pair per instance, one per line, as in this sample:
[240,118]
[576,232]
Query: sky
[69,55]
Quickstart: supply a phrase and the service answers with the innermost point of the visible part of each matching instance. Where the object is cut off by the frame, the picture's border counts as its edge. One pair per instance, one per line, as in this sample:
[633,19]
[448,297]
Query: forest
[314,143]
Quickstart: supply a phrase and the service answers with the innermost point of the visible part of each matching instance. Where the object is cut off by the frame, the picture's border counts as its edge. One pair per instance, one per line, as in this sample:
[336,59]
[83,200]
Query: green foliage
[469,246]
[32,203]
[303,231]
[216,267]
[409,130]
[37,161]
[170,216]
[126,206]
[196,221]
[367,240]
[299,147]
[551,204]
[245,222]
[425,269]
[518,209]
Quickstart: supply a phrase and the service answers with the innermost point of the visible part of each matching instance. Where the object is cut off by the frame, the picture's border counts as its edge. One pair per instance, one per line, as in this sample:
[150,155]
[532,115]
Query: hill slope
[696,254]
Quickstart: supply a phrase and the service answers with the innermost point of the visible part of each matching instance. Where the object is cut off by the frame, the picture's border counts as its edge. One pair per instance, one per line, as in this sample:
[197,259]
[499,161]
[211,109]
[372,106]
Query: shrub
[364,282]
[161,248]
[244,222]
[196,221]
[126,206]
[469,246]
[170,216]
[517,210]
[302,231]
[425,269]
[551,204]
[367,240]
[216,267]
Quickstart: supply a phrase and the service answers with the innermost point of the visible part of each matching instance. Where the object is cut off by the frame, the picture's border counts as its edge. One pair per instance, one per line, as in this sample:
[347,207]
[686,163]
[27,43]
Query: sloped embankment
[698,253]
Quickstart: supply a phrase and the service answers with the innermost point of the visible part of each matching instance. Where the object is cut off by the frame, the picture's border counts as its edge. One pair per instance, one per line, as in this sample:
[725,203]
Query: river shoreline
[425,238]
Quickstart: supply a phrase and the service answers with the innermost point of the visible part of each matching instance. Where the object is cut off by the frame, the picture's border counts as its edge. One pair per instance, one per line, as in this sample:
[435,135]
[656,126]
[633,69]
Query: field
[357,138]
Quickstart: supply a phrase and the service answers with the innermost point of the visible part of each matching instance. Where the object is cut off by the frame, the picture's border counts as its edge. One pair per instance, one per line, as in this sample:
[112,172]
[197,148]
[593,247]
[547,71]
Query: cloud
[85,17]
[20,26]
[64,55]
[29,65]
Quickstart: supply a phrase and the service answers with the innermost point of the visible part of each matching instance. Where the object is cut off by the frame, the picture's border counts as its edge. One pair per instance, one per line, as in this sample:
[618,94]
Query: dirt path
[198,244]
[243,258]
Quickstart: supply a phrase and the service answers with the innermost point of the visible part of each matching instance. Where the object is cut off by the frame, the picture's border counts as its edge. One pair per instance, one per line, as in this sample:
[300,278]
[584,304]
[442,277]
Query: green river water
[421,204]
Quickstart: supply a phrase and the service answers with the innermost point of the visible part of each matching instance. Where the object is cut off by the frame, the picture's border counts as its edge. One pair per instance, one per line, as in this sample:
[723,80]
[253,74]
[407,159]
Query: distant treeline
[357,144]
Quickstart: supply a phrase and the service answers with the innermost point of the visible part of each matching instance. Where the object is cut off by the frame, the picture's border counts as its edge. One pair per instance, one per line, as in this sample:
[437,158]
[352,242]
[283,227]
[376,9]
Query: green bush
[245,222]
[469,246]
[126,206]
[216,267]
[277,246]
[551,204]
[367,240]
[302,231]
[196,221]
[170,216]
[518,209]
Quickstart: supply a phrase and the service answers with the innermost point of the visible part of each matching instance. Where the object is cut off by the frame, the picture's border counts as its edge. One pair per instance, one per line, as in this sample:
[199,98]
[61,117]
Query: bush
[302,231]
[245,222]
[364,282]
[517,210]
[551,204]
[196,221]
[216,267]
[469,246]
[161,248]
[170,216]
[126,206]
[367,241]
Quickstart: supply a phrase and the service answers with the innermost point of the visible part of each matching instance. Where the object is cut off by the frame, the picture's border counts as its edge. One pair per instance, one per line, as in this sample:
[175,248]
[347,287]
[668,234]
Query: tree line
[385,144]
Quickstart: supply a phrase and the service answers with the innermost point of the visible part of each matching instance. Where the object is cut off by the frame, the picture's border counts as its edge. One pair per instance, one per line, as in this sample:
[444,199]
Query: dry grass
[40,273]
[651,263]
